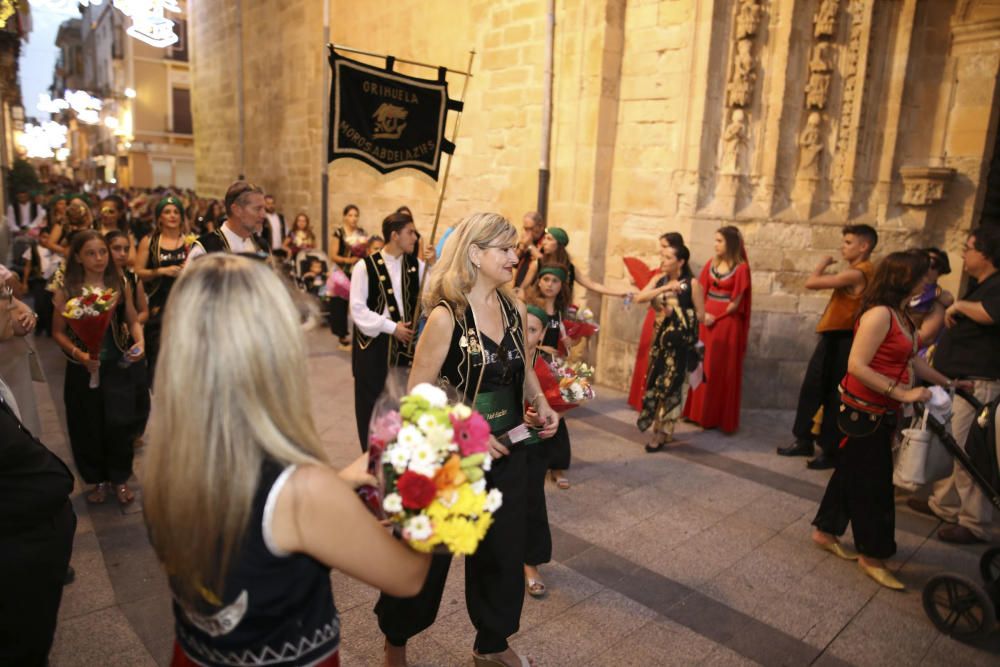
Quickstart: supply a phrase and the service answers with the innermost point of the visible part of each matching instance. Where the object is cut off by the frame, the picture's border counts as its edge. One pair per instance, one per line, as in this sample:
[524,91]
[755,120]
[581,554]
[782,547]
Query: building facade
[787,118]
[145,134]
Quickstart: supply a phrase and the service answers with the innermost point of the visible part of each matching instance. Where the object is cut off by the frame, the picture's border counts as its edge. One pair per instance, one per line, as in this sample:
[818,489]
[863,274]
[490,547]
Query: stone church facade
[787,118]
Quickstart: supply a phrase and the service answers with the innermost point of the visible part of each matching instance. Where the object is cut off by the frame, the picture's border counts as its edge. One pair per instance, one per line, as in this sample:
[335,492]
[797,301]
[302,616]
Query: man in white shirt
[244,204]
[385,292]
[23,213]
[274,230]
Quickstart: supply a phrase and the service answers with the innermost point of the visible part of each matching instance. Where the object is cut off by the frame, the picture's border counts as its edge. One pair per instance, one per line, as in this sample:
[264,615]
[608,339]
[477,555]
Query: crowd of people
[236,476]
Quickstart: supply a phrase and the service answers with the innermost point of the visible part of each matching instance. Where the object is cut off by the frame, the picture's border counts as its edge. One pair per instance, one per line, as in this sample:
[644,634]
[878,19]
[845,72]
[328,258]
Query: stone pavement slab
[697,555]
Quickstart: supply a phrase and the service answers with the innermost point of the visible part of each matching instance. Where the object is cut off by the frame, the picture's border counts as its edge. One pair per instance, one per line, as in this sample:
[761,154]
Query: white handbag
[921,458]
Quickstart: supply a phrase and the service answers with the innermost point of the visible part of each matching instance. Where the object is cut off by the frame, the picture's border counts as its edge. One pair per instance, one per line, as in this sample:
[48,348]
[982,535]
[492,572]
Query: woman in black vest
[249,551]
[158,263]
[474,339]
[350,247]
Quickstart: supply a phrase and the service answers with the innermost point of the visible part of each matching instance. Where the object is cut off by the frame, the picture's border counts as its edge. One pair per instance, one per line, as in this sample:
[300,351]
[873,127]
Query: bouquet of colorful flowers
[338,283]
[189,241]
[89,316]
[564,384]
[360,249]
[580,323]
[431,459]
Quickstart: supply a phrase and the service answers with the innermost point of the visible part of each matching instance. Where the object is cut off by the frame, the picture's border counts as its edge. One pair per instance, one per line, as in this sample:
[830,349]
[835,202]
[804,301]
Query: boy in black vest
[384,302]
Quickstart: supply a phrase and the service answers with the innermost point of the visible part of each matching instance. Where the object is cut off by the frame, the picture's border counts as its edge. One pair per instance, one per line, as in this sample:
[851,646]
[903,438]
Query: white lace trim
[272,500]
[287,654]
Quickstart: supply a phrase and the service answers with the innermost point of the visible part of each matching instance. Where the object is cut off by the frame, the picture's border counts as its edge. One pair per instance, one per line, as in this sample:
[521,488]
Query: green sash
[500,410]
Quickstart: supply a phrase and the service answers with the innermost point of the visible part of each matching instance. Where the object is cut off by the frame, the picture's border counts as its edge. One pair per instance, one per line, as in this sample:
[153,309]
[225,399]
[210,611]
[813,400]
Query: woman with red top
[726,282]
[878,381]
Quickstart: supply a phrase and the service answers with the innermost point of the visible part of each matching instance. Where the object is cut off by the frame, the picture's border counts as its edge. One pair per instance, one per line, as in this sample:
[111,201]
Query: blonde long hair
[230,393]
[455,274]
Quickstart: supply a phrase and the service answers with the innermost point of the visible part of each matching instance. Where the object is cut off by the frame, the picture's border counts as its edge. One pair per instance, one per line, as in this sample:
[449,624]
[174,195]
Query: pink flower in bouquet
[418,491]
[338,284]
[385,428]
[471,434]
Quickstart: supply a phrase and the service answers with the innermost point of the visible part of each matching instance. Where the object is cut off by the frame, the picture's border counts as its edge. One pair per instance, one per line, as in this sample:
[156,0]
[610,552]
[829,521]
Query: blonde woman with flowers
[243,508]
[101,420]
[474,340]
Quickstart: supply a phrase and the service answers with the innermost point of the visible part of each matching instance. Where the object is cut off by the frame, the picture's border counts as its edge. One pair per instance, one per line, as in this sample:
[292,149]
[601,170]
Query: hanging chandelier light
[42,141]
[149,24]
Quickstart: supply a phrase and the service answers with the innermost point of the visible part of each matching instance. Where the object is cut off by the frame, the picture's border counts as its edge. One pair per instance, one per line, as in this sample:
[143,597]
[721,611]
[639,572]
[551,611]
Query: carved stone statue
[811,146]
[825,18]
[818,87]
[734,139]
[747,18]
[739,90]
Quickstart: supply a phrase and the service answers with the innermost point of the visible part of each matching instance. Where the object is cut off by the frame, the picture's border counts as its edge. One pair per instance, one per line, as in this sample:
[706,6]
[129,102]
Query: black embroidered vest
[381,297]
[463,367]
[215,241]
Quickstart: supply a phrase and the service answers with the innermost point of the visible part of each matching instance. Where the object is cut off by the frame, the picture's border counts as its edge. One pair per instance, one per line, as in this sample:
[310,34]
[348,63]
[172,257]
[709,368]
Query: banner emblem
[389,120]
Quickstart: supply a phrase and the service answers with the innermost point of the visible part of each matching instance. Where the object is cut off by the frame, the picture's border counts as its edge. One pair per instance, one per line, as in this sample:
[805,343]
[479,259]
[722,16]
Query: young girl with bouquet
[101,420]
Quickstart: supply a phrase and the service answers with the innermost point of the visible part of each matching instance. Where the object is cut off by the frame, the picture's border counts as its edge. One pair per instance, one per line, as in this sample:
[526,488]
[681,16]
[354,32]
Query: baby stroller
[957,605]
[314,284]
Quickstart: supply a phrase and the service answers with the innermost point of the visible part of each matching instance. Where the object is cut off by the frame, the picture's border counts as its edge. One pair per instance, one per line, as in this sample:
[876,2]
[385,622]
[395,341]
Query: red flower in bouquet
[472,434]
[417,491]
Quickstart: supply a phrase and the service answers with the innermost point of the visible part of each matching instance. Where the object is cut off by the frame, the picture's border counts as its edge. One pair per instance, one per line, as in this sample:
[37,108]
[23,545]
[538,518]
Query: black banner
[389,120]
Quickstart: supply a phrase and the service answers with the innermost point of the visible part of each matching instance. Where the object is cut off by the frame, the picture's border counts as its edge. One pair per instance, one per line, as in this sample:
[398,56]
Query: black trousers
[370,367]
[826,369]
[860,493]
[538,541]
[43,305]
[103,422]
[151,335]
[494,575]
[338,316]
[559,453]
[33,567]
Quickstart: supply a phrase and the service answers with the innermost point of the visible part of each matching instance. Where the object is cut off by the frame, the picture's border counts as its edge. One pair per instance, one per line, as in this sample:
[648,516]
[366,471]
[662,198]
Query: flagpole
[437,211]
[447,164]
[351,49]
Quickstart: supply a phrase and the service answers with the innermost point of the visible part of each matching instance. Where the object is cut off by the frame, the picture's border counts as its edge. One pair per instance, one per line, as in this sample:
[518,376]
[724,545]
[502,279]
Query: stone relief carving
[811,147]
[820,72]
[747,18]
[853,81]
[739,90]
[825,19]
[924,186]
[734,140]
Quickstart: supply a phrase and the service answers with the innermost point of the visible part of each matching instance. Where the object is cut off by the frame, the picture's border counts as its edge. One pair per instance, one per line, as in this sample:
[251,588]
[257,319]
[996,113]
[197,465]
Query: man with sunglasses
[385,291]
[246,211]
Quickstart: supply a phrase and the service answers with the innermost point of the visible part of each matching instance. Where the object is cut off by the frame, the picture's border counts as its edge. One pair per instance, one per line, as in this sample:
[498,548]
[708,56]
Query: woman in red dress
[668,240]
[726,282]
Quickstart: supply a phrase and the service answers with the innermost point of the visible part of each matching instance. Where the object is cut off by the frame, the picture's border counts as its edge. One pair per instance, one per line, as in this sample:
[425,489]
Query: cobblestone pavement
[698,555]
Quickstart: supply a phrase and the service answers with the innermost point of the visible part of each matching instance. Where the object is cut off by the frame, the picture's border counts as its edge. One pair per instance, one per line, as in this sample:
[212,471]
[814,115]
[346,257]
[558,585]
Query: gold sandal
[493,660]
[99,495]
[124,494]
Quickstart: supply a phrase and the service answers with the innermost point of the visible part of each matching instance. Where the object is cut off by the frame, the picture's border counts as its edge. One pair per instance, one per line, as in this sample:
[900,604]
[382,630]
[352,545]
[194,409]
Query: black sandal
[661,441]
